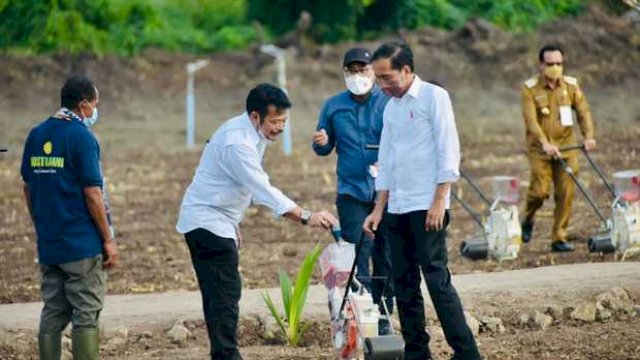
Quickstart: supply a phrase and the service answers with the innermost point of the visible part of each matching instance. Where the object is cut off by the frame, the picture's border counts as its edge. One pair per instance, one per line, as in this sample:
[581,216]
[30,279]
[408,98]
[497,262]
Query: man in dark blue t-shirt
[63,189]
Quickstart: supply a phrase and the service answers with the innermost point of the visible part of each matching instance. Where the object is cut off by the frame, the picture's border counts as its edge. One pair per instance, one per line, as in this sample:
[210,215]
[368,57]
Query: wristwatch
[305,215]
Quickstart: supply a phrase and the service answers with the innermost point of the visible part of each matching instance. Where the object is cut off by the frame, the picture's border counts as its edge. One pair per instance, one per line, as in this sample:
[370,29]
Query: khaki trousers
[72,292]
[544,171]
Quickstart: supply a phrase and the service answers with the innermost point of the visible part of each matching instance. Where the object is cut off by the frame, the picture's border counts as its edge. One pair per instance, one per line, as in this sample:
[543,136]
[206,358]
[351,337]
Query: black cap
[357,54]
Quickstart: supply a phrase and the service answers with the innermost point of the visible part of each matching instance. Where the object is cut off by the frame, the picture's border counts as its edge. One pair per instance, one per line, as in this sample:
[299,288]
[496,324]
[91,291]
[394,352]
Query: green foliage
[124,27]
[350,19]
[520,15]
[333,20]
[436,13]
[294,299]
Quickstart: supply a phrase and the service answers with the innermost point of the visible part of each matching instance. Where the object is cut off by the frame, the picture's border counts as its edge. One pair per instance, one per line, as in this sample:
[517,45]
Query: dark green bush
[125,27]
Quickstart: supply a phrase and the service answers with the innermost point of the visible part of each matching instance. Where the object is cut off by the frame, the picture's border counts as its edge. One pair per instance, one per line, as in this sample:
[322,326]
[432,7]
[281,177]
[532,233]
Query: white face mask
[358,84]
[264,139]
[89,121]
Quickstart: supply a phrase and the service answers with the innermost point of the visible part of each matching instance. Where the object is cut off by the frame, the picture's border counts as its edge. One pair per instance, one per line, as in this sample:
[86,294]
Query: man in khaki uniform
[547,103]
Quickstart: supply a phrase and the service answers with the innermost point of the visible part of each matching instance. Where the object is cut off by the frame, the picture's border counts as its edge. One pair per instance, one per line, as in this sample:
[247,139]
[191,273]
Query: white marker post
[633,3]
[191,101]
[279,55]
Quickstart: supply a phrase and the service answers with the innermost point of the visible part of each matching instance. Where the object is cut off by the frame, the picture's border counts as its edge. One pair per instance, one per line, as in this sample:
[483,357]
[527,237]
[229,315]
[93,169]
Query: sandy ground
[144,319]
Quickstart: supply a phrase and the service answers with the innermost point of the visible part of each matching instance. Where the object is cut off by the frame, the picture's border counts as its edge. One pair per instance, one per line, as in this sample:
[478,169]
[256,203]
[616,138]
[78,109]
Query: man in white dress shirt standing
[418,160]
[229,177]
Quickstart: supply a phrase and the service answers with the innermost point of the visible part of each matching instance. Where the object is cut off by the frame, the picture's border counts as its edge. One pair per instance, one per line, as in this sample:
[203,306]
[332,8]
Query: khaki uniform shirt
[541,108]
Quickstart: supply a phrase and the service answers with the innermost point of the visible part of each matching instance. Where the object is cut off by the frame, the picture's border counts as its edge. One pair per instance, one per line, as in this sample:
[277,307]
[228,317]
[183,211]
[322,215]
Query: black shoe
[562,246]
[471,356]
[527,231]
[384,328]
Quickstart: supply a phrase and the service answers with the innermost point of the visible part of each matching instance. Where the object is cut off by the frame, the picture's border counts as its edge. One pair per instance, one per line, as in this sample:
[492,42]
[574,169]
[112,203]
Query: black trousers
[215,261]
[413,248]
[352,213]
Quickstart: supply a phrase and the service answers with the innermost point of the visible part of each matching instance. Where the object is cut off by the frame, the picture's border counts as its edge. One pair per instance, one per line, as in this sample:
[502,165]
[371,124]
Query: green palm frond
[294,298]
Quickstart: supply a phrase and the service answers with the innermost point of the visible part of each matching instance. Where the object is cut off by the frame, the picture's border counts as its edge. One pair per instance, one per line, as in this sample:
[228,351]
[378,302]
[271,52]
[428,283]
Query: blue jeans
[351,213]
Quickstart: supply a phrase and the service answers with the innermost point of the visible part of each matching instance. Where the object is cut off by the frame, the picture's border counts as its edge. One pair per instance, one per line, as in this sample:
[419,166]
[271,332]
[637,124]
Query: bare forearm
[294,214]
[442,190]
[320,218]
[95,203]
[381,202]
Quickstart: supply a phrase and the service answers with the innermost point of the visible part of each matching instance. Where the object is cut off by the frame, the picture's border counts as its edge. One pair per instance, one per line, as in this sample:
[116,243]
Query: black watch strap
[305,216]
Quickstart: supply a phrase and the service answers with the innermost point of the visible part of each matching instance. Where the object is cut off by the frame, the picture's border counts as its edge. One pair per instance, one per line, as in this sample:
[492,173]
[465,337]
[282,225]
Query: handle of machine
[466,206]
[352,272]
[336,232]
[572,147]
[3,149]
[594,166]
[476,188]
[573,177]
[564,149]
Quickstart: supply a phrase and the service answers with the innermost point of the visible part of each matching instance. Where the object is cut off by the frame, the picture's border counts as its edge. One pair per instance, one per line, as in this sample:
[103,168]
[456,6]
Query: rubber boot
[85,344]
[50,346]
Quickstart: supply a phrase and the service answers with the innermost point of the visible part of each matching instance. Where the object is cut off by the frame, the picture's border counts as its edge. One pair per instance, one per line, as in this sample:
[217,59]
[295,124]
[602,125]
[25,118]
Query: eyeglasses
[354,70]
[553,63]
[281,123]
[384,80]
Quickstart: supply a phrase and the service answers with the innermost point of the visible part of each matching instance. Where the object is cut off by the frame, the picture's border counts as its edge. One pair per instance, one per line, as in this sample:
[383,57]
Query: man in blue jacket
[351,122]
[63,189]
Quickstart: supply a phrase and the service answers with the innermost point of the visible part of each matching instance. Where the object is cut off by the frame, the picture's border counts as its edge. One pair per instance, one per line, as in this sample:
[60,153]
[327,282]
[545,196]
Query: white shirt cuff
[447,176]
[284,208]
[382,183]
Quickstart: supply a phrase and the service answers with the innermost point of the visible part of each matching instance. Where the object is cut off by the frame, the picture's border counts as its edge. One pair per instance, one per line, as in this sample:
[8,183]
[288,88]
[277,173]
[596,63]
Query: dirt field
[147,168]
[557,325]
[592,341]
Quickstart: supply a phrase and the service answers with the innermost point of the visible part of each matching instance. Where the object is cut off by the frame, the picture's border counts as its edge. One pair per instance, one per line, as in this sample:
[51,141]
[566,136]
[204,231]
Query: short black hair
[399,53]
[548,48]
[263,95]
[76,89]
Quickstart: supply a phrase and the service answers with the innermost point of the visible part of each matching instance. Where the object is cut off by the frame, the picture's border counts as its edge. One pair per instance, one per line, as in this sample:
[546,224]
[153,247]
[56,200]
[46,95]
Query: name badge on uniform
[566,116]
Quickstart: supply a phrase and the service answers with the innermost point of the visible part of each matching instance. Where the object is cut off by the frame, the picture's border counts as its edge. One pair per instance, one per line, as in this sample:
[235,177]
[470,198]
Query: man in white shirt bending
[418,160]
[229,177]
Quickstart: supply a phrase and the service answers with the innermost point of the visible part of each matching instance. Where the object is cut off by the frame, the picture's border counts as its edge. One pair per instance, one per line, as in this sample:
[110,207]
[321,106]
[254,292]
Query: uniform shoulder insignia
[531,82]
[570,80]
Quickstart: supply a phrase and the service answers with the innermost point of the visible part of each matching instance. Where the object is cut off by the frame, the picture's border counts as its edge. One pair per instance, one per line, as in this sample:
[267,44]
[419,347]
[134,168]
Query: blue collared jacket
[352,127]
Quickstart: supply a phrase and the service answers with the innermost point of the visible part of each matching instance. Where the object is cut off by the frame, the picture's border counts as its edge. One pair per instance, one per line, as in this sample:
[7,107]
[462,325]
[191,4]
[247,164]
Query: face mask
[261,134]
[264,138]
[553,72]
[358,84]
[89,121]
